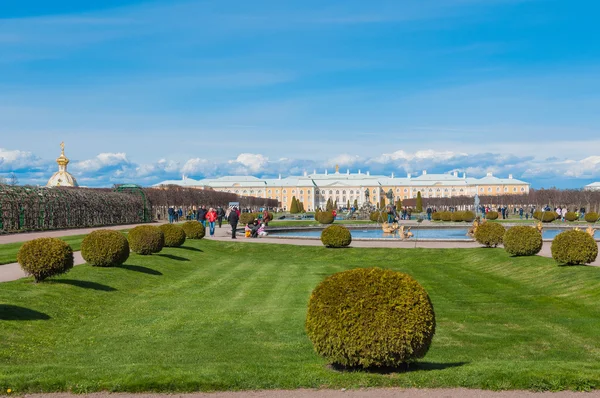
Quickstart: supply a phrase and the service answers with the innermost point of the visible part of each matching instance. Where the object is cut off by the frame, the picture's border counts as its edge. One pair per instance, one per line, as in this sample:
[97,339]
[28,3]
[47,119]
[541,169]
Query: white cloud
[109,168]
[253,162]
[102,161]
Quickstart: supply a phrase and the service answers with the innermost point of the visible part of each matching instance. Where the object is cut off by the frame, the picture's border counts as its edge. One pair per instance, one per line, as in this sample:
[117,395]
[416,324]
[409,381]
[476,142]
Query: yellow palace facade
[315,189]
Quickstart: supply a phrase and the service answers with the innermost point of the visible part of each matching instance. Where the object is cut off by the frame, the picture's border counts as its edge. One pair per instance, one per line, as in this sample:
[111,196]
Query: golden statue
[539,226]
[389,228]
[473,229]
[590,231]
[405,234]
[337,168]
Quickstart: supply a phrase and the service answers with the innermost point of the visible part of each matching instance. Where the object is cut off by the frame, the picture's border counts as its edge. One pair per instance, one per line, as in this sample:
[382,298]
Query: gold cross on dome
[62,148]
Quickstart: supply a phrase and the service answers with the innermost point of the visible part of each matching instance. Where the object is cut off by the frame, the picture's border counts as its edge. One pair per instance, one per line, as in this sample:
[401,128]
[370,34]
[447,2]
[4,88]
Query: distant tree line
[537,198]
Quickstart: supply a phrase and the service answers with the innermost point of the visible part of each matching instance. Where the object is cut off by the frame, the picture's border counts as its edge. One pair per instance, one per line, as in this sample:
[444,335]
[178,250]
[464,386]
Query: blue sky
[143,91]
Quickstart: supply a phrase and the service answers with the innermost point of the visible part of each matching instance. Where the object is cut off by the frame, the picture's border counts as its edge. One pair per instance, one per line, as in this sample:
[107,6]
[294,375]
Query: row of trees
[573,199]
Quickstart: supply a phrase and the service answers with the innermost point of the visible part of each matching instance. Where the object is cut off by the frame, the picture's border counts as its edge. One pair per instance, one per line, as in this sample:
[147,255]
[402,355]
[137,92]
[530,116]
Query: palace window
[331,192]
[277,191]
[245,192]
[284,191]
[515,189]
[522,189]
[308,191]
[269,191]
[293,191]
[344,192]
[236,191]
[322,192]
[337,192]
[397,190]
[490,189]
[497,189]
[405,190]
[351,192]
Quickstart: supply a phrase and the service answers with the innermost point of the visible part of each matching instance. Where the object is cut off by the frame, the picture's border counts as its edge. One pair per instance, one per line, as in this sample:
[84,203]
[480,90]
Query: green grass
[8,252]
[225,316]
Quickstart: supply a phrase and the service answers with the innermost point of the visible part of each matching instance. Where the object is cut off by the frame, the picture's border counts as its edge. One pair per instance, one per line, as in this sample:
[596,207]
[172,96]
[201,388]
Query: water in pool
[420,233]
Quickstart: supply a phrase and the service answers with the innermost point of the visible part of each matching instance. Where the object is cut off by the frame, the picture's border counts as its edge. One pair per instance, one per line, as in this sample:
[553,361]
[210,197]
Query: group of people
[393,215]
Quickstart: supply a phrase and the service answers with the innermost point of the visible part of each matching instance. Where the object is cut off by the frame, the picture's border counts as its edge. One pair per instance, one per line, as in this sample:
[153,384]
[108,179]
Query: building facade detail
[62,178]
[315,189]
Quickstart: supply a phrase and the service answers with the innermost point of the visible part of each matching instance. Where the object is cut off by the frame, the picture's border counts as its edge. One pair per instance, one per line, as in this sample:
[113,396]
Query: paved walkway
[24,237]
[360,393]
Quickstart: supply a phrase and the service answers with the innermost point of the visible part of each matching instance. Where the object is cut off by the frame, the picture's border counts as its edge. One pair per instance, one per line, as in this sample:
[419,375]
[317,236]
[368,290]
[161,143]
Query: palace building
[313,190]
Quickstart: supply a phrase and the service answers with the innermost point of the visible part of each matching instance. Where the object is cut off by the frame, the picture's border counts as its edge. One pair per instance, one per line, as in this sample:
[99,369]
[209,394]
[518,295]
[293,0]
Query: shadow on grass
[191,249]
[173,257]
[139,268]
[413,367]
[85,284]
[15,313]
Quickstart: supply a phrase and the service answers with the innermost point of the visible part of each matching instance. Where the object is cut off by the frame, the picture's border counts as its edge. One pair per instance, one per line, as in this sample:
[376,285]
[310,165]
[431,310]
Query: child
[248,231]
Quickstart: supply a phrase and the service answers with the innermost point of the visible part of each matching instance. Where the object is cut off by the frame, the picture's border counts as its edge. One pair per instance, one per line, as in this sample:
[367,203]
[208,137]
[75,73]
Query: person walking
[220,215]
[266,217]
[233,219]
[202,215]
[171,212]
[211,217]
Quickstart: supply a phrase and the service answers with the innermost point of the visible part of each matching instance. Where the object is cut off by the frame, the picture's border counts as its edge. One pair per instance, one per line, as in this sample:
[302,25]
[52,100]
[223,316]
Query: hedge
[193,230]
[146,239]
[490,234]
[174,235]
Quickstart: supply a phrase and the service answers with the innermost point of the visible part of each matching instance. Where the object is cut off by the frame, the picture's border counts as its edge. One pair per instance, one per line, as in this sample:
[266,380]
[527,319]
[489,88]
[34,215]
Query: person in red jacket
[211,217]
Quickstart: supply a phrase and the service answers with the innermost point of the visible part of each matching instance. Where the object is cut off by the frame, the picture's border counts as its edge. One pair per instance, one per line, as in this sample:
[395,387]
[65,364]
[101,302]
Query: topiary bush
[45,257]
[174,235]
[571,216]
[446,216]
[591,217]
[105,248]
[375,216]
[325,217]
[457,216]
[548,216]
[522,241]
[146,239]
[468,216]
[370,317]
[436,216]
[336,236]
[491,215]
[574,247]
[193,229]
[490,234]
[246,218]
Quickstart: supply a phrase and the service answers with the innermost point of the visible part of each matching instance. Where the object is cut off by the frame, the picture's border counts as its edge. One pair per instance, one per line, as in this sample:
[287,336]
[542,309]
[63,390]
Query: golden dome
[62,178]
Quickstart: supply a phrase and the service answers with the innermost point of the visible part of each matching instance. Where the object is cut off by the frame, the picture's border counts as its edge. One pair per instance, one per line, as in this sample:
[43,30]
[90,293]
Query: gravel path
[361,393]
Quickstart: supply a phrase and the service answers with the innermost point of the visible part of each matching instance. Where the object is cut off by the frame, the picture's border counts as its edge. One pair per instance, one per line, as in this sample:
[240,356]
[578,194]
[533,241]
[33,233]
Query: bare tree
[13,179]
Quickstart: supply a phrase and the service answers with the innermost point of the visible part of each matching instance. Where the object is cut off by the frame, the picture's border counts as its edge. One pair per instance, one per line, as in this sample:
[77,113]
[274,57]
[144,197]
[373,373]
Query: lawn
[8,252]
[227,316]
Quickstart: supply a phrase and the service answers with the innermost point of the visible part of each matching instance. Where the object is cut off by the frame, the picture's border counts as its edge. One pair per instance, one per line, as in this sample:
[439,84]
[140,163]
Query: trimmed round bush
[194,230]
[468,216]
[174,235]
[336,236]
[548,216]
[105,248]
[574,247]
[146,239]
[591,217]
[458,216]
[246,218]
[374,216]
[436,216]
[45,257]
[325,217]
[490,234]
[522,241]
[446,216]
[370,317]
[491,215]
[571,216]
